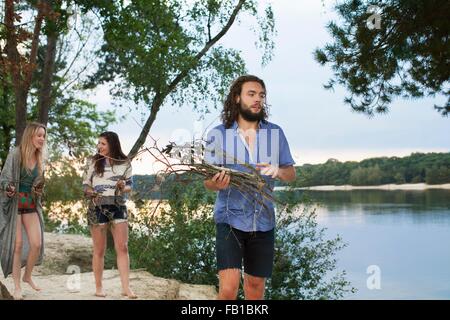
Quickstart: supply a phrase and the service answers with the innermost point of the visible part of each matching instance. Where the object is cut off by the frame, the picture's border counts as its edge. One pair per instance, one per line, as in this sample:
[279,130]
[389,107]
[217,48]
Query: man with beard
[245,222]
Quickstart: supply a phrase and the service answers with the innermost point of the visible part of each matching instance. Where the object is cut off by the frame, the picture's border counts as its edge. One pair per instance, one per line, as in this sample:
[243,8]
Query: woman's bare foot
[17,295]
[31,283]
[100,293]
[129,293]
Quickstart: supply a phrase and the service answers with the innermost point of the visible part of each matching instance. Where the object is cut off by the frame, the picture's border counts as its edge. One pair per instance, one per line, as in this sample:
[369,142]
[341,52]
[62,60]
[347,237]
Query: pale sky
[317,123]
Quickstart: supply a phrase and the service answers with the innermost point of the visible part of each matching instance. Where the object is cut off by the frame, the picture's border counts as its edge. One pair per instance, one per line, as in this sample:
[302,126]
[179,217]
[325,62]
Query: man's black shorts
[255,248]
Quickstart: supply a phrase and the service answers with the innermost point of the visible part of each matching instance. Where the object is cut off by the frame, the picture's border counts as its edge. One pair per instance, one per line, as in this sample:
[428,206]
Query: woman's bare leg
[17,264]
[33,228]
[98,233]
[120,235]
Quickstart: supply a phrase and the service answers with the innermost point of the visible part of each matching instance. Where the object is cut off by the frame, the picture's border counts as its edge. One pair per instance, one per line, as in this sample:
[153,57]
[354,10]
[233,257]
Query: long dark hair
[116,154]
[230,110]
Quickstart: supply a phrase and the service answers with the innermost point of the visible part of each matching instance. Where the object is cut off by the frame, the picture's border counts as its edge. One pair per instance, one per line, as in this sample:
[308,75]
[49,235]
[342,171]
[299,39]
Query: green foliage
[63,181]
[438,175]
[406,57]
[400,178]
[179,243]
[7,119]
[73,123]
[64,208]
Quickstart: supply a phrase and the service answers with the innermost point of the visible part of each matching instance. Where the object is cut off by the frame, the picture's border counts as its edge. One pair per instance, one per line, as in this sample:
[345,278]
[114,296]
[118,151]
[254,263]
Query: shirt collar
[261,125]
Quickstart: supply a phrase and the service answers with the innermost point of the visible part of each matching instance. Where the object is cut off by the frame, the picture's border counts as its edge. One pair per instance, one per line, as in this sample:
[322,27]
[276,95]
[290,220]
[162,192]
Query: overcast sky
[317,123]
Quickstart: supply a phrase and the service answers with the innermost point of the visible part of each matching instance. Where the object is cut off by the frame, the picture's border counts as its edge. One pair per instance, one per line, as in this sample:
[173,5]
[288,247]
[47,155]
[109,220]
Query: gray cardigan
[8,215]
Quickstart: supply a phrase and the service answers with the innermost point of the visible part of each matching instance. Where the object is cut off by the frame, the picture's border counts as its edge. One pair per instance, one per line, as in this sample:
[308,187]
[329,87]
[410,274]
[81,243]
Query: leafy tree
[53,96]
[6,117]
[18,57]
[160,52]
[437,175]
[387,49]
[400,178]
[358,177]
[374,175]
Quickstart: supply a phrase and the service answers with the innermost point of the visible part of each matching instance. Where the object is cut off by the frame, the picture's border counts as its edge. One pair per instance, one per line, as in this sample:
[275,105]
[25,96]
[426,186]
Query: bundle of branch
[189,158]
[248,183]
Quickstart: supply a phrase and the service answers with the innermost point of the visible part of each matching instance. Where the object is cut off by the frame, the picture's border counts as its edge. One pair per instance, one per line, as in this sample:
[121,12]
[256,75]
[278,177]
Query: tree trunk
[21,113]
[146,129]
[45,97]
[7,137]
[7,120]
[21,71]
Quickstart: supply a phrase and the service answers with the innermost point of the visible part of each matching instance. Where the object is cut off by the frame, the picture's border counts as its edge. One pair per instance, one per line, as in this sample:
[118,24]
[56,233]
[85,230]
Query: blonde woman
[106,181]
[21,221]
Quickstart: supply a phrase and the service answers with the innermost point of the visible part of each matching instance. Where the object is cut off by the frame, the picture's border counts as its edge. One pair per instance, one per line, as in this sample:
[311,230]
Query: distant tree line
[430,168]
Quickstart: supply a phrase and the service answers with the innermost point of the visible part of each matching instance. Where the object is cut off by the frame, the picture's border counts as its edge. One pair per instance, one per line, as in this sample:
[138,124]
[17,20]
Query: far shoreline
[347,187]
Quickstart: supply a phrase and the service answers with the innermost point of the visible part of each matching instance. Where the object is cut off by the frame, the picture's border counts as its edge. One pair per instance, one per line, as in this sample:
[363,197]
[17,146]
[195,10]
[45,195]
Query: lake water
[403,237]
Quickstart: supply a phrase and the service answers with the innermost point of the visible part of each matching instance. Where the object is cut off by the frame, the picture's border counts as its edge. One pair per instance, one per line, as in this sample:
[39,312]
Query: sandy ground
[80,286]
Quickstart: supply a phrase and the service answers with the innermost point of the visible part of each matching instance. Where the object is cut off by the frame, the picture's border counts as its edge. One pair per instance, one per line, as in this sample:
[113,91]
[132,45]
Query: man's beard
[250,116]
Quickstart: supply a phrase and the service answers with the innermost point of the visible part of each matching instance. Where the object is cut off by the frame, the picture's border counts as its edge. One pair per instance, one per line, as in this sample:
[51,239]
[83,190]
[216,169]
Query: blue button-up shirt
[228,148]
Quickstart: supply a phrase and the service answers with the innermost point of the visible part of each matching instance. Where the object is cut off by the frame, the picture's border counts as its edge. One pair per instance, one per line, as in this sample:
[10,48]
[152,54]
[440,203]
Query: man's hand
[221,180]
[267,169]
